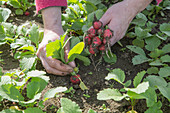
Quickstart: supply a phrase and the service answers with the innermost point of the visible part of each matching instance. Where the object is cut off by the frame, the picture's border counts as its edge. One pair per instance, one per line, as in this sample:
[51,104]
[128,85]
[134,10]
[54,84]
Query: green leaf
[156,108]
[77,25]
[4,14]
[74,41]
[73,1]
[19,12]
[138,42]
[39,74]
[152,70]
[99,13]
[10,92]
[165,91]
[95,2]
[15,3]
[165,28]
[111,59]
[165,58]
[28,62]
[91,111]
[139,59]
[166,48]
[11,111]
[141,33]
[68,106]
[108,94]
[156,62]
[141,88]
[83,86]
[33,110]
[138,78]
[85,60]
[136,49]
[5,80]
[116,74]
[76,49]
[155,81]
[34,34]
[32,100]
[156,53]
[32,89]
[30,48]
[134,95]
[52,92]
[127,83]
[164,72]
[150,96]
[152,43]
[52,47]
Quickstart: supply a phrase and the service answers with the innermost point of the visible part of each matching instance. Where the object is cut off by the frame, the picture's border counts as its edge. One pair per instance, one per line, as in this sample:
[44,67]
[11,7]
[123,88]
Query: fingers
[58,65]
[50,69]
[105,19]
[53,66]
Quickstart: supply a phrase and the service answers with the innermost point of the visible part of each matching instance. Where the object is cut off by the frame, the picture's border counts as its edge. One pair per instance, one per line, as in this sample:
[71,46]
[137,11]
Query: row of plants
[24,88]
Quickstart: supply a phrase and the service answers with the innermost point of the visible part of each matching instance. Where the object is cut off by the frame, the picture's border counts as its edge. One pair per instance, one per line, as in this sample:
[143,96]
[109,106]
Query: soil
[95,81]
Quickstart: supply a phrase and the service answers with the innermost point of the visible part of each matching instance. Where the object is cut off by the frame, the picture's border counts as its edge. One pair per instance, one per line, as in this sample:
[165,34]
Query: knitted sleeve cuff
[41,4]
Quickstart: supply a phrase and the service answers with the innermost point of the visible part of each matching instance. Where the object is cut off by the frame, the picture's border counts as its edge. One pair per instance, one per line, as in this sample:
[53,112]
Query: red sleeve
[40,4]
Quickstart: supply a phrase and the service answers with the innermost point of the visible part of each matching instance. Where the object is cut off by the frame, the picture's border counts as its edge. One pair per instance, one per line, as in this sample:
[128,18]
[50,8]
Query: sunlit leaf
[116,74]
[141,88]
[68,106]
[4,14]
[108,94]
[77,49]
[52,92]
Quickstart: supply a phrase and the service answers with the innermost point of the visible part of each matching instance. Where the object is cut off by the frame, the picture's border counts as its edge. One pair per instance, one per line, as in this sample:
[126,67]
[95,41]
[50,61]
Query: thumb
[105,19]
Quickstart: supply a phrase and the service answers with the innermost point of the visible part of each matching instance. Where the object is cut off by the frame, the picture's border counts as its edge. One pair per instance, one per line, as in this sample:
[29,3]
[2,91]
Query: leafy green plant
[68,106]
[80,13]
[141,90]
[20,5]
[26,88]
[56,50]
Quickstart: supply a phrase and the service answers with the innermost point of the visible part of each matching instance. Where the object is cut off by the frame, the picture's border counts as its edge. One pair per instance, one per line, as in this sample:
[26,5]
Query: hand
[119,16]
[51,65]
[52,31]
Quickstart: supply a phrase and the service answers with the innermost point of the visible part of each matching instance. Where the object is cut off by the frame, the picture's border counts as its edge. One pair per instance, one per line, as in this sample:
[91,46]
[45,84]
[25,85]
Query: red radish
[102,47]
[97,25]
[107,33]
[100,31]
[5,4]
[87,40]
[93,50]
[74,79]
[91,32]
[104,41]
[27,13]
[96,41]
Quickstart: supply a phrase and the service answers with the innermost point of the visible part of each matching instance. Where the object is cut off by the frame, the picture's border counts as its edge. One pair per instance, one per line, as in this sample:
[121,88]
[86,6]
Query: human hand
[51,65]
[119,16]
[52,31]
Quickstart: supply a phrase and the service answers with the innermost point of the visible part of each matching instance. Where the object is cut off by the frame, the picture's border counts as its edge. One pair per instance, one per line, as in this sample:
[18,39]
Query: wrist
[52,18]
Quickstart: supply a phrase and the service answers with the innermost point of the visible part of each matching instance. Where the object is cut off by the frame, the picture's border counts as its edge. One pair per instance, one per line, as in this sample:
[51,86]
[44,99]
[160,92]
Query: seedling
[141,89]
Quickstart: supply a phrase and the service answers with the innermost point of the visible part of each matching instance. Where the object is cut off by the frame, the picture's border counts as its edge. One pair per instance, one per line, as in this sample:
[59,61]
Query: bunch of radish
[97,37]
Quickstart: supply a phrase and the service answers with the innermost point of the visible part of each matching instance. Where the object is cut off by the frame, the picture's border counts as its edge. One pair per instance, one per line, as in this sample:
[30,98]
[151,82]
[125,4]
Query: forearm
[137,5]
[52,19]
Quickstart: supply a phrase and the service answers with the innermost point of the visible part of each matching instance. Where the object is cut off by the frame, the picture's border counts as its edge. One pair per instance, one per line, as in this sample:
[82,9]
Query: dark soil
[95,81]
